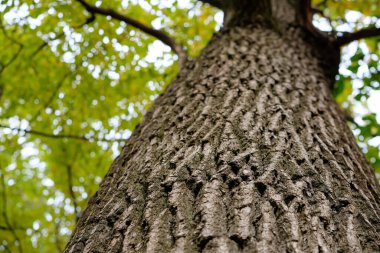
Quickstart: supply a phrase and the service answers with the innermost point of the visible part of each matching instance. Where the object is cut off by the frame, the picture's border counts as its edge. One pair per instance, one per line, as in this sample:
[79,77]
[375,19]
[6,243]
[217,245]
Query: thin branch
[348,117]
[6,247]
[14,57]
[88,21]
[61,136]
[5,215]
[56,236]
[317,11]
[20,47]
[305,14]
[158,34]
[322,4]
[347,38]
[45,43]
[50,100]
[71,191]
[6,34]
[69,170]
[215,3]
[1,90]
[2,227]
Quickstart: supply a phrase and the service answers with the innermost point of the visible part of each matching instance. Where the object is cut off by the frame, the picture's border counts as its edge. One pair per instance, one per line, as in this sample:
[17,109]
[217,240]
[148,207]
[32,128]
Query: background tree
[70,72]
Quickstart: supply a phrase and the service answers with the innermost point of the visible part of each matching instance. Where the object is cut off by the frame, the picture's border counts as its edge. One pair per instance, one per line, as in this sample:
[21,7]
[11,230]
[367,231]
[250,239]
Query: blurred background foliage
[73,88]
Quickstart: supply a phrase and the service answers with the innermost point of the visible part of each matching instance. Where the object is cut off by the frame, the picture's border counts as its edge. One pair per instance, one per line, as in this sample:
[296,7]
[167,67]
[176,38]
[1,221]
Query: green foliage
[64,74]
[64,77]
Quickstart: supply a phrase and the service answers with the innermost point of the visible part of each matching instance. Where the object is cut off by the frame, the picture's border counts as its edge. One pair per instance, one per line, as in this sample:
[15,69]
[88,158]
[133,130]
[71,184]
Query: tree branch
[347,38]
[51,98]
[71,191]
[14,57]
[57,236]
[20,45]
[45,43]
[158,34]
[61,136]
[305,15]
[3,227]
[215,3]
[5,214]
[317,11]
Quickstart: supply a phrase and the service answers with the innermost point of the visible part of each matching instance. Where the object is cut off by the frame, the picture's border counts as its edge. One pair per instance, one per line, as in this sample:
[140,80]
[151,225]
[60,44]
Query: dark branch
[6,228]
[71,191]
[317,11]
[45,43]
[215,3]
[158,34]
[57,236]
[305,14]
[51,98]
[14,57]
[347,38]
[5,214]
[19,44]
[60,136]
[322,4]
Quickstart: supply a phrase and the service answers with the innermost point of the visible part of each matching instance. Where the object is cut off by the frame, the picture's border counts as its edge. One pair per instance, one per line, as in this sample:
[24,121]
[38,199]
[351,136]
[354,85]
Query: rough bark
[245,151]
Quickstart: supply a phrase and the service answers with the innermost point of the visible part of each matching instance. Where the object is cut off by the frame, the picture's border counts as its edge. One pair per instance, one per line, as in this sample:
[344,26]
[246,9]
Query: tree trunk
[245,151]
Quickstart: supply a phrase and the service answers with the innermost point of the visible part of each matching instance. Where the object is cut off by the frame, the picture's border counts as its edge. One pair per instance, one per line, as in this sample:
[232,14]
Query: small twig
[56,235]
[306,14]
[2,227]
[347,38]
[215,3]
[1,90]
[45,43]
[348,117]
[317,11]
[322,4]
[20,47]
[50,100]
[158,34]
[71,191]
[6,248]
[14,57]
[6,34]
[61,136]
[69,170]
[5,215]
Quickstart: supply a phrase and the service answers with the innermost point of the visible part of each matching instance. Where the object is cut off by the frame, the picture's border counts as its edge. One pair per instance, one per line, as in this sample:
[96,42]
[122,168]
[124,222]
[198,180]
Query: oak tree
[246,150]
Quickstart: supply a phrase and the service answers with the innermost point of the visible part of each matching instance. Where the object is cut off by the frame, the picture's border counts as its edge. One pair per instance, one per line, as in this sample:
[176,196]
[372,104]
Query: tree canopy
[77,76]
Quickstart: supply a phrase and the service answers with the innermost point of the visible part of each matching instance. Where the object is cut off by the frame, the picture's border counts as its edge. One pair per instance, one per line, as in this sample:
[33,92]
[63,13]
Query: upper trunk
[244,152]
[269,12]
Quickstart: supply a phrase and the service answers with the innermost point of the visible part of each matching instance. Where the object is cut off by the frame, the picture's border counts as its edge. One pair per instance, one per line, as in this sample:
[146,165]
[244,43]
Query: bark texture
[244,152]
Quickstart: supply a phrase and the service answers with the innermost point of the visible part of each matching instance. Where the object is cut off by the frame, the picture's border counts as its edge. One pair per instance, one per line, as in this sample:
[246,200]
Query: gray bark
[245,151]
